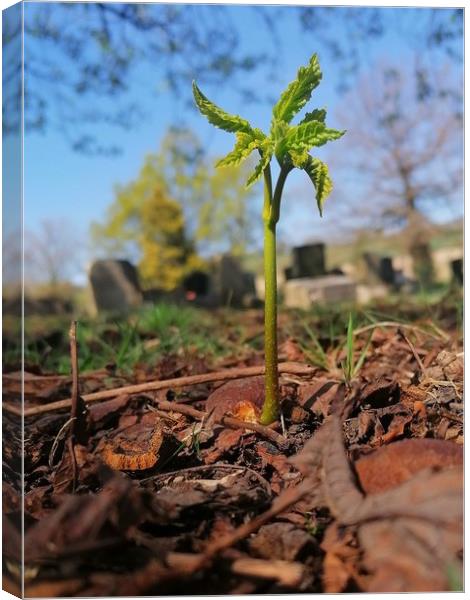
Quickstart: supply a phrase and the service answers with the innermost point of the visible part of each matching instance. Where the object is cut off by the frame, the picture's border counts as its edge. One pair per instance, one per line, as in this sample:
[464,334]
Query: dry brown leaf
[391,465]
[426,511]
[135,448]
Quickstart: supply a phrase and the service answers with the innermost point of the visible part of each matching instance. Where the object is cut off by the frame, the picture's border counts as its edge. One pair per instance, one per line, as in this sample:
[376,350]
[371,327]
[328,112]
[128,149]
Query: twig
[413,351]
[441,335]
[284,572]
[179,382]
[57,439]
[74,401]
[280,504]
[450,415]
[231,422]
[266,432]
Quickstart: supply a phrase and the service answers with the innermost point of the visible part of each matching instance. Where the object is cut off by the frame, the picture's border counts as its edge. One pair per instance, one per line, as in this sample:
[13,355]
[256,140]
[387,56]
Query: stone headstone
[115,285]
[230,284]
[423,266]
[380,268]
[308,261]
[457,270]
[289,273]
[303,293]
[386,271]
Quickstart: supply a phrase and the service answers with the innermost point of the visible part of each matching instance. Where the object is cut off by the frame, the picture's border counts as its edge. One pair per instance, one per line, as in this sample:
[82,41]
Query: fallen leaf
[135,448]
[409,534]
[282,541]
[393,464]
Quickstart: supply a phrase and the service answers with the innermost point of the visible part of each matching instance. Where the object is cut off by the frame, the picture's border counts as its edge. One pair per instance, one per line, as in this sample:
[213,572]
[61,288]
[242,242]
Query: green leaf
[310,134]
[319,114]
[299,157]
[217,116]
[299,91]
[266,153]
[318,173]
[246,143]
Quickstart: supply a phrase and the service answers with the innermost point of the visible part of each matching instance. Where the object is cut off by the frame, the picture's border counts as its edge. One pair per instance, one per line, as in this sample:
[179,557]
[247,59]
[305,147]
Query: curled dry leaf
[342,554]
[448,366]
[80,519]
[322,397]
[226,440]
[135,448]
[207,489]
[409,534]
[282,541]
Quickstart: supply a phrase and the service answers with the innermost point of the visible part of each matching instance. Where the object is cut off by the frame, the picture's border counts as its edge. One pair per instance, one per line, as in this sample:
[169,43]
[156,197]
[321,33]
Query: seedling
[290,145]
[350,367]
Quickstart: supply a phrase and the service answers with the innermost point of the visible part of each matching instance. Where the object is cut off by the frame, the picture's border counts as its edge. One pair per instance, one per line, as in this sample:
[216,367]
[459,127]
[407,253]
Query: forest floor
[154,477]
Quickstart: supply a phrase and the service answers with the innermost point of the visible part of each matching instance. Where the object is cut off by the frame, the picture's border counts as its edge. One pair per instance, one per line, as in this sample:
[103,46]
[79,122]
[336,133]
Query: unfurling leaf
[310,134]
[318,173]
[266,152]
[298,92]
[246,143]
[217,116]
[319,114]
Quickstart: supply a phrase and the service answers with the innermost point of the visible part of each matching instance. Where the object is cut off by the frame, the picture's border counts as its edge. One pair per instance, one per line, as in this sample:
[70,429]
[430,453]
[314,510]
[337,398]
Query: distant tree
[405,154]
[220,210]
[347,33]
[81,58]
[177,207]
[52,253]
[148,226]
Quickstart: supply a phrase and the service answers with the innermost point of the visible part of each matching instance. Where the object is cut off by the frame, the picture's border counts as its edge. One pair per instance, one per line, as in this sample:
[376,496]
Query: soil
[177,490]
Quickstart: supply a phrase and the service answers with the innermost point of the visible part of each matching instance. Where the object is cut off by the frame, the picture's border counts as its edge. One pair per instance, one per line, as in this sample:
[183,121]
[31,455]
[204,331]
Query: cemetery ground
[153,477]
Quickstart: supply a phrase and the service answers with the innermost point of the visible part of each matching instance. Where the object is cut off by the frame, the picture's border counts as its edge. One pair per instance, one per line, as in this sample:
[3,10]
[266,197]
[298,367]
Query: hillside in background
[449,235]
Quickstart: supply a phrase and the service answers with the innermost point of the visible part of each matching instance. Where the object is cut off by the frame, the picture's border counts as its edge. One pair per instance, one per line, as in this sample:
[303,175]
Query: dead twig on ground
[74,401]
[199,561]
[413,351]
[441,334]
[231,422]
[150,386]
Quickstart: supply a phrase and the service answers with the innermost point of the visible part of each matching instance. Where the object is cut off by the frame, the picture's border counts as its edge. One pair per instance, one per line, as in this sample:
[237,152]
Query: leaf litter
[359,489]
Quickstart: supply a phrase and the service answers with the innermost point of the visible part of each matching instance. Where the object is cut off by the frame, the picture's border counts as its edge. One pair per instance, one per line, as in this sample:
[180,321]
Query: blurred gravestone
[115,285]
[230,284]
[422,264]
[380,269]
[304,292]
[308,261]
[386,272]
[457,270]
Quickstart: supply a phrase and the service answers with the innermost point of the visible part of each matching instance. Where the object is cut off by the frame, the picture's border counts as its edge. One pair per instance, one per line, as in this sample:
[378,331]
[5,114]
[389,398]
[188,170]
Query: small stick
[379,324]
[74,400]
[179,382]
[287,498]
[286,573]
[231,422]
[263,430]
[413,351]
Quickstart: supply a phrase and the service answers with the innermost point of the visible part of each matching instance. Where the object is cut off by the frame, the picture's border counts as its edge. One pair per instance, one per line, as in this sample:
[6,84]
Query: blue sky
[63,184]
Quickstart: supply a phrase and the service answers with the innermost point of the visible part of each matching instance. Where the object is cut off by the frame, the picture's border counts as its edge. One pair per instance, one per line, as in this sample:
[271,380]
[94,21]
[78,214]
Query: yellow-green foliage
[178,200]
[147,221]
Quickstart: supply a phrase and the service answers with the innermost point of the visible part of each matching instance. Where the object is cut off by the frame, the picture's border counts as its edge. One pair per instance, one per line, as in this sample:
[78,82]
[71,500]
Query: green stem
[271,210]
[271,403]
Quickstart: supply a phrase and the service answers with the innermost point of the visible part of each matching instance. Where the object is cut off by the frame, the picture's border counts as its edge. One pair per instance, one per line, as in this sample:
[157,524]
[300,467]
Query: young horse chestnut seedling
[290,145]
